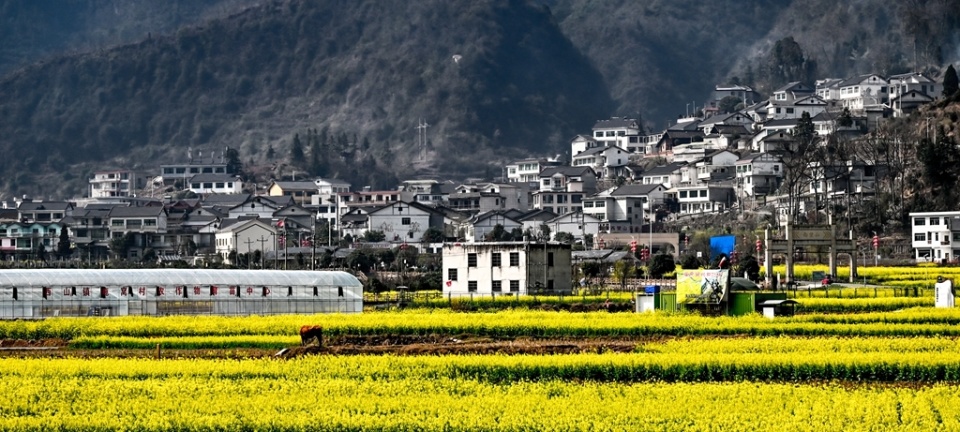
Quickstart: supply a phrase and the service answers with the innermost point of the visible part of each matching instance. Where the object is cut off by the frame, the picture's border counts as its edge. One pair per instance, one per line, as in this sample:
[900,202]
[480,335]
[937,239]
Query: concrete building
[936,236]
[517,268]
[114,183]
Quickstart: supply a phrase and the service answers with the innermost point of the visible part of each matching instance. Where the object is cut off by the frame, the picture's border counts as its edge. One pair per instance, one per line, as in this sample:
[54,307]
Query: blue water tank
[651,289]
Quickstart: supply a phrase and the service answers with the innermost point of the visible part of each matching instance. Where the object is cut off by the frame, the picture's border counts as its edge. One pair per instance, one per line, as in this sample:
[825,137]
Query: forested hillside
[495,80]
[33,30]
[351,80]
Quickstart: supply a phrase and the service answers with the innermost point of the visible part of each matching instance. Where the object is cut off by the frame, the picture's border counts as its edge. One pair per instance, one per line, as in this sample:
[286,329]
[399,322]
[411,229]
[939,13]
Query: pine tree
[296,151]
[63,246]
[950,82]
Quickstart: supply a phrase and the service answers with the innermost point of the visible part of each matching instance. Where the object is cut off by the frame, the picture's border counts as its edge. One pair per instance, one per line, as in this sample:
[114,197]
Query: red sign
[142,291]
[196,290]
[449,283]
[86,291]
[249,290]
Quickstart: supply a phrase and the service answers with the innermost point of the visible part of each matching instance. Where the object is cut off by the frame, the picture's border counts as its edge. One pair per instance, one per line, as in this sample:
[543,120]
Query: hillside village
[772,157]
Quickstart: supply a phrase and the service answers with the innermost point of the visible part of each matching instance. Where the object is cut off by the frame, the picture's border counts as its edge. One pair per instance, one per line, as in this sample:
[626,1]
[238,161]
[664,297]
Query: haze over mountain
[495,80]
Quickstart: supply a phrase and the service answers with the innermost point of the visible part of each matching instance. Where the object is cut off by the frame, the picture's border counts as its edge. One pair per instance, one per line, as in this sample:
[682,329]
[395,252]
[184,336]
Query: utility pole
[421,136]
[313,244]
[262,250]
[248,242]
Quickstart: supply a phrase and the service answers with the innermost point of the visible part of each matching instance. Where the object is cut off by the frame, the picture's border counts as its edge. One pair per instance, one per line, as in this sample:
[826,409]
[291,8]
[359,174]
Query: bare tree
[891,149]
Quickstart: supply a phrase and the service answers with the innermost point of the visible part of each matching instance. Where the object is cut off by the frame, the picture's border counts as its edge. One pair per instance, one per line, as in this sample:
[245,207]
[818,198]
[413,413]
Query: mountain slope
[369,68]
[34,30]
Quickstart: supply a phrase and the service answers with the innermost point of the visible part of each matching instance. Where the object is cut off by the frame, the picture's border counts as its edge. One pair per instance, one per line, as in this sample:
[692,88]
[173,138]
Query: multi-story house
[262,207]
[528,170]
[625,208]
[479,226]
[792,91]
[370,198]
[245,237]
[24,239]
[517,268]
[794,109]
[576,222]
[860,93]
[710,125]
[533,220]
[607,162]
[666,175]
[302,192]
[427,191]
[44,211]
[562,189]
[403,222]
[90,229]
[113,183]
[181,172]
[718,165]
[618,132]
[911,90]
[203,184]
[828,123]
[828,89]
[758,175]
[142,222]
[703,199]
[581,143]
[936,236]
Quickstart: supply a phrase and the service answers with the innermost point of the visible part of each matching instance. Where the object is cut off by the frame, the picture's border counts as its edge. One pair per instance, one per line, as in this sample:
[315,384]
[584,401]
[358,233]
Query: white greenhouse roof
[171,277]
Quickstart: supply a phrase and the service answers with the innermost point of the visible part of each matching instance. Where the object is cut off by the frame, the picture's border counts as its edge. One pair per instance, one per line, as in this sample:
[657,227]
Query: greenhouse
[40,293]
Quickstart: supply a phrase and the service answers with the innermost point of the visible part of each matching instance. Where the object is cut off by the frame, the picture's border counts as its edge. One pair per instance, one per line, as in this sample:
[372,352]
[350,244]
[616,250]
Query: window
[550,284]
[600,204]
[471,260]
[496,286]
[195,185]
[117,223]
[598,134]
[920,237]
[219,185]
[919,221]
[149,222]
[472,286]
[588,204]
[514,286]
[789,110]
[550,259]
[934,221]
[561,199]
[514,259]
[452,274]
[495,259]
[683,194]
[576,198]
[703,193]
[405,221]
